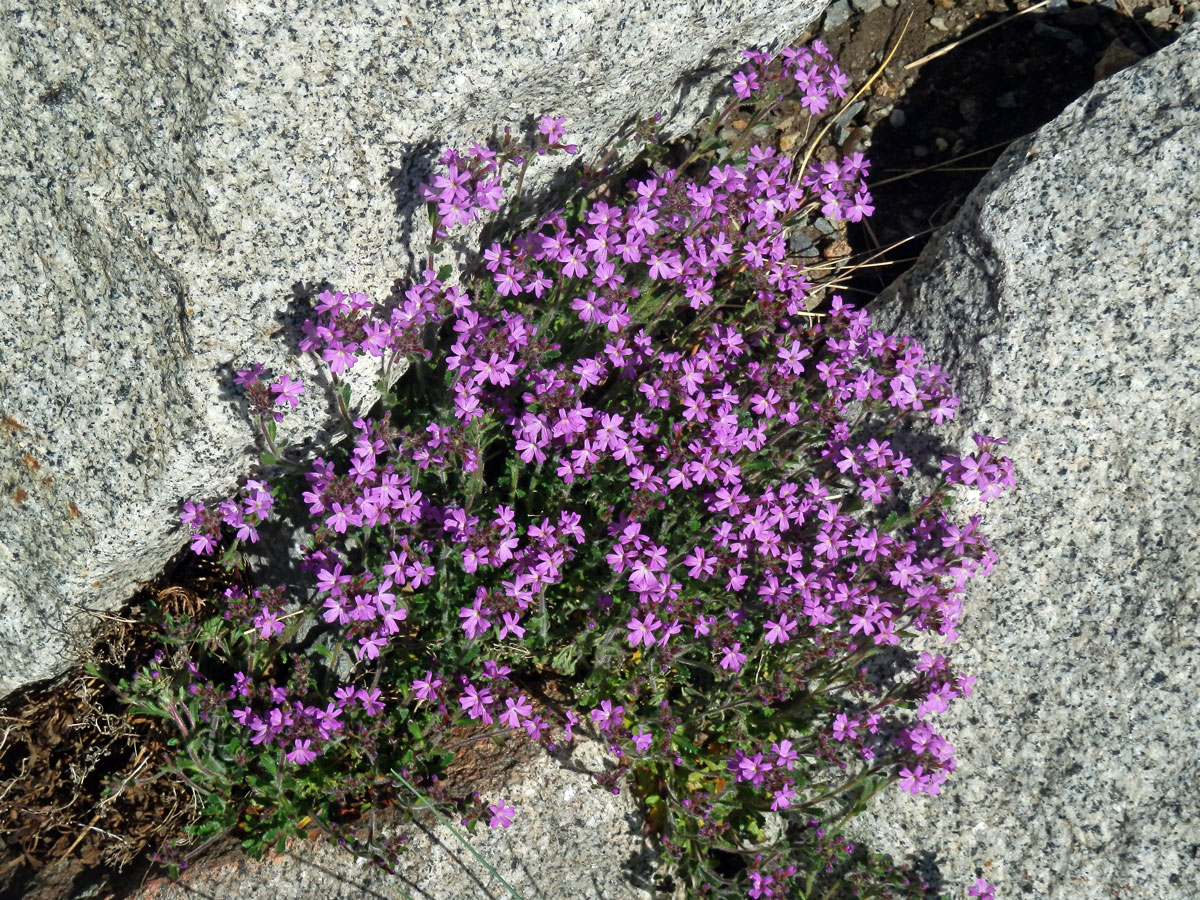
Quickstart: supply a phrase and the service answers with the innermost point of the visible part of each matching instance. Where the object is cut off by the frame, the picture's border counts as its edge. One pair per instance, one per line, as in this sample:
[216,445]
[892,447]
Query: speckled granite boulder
[1065,301]
[172,172]
[568,841]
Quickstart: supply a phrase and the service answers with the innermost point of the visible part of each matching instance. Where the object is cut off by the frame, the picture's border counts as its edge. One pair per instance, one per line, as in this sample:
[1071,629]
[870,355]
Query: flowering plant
[625,458]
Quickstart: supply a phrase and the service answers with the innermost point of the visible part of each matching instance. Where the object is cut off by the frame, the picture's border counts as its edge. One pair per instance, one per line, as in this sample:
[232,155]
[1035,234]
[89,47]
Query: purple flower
[913,781]
[370,647]
[744,84]
[607,715]
[750,768]
[259,501]
[267,624]
[502,815]
[732,659]
[785,756]
[642,631]
[552,128]
[301,754]
[249,377]
[193,514]
[780,632]
[370,701]
[287,391]
[511,625]
[426,688]
[475,703]
[516,710]
[783,798]
[474,621]
[203,544]
[331,581]
[844,727]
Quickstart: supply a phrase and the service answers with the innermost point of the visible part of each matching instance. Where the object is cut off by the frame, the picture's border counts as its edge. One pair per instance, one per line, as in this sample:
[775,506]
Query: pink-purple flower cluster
[639,441]
[268,399]
[471,181]
[243,513]
[812,68]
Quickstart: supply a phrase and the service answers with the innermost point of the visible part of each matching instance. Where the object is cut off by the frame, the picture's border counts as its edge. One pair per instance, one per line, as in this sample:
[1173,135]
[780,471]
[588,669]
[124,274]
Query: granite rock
[177,173]
[1064,301]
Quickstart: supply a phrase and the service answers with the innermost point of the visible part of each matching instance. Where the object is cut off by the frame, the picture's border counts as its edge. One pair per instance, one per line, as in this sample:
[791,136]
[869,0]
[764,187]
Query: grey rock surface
[175,172]
[569,840]
[1064,301]
[837,15]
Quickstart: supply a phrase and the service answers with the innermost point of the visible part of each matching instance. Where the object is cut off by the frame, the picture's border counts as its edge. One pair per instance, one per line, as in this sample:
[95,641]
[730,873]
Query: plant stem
[433,809]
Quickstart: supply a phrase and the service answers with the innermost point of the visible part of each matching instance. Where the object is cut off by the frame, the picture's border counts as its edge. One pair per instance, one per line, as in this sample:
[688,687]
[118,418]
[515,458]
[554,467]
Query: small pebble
[897,118]
[837,14]
[942,144]
[850,112]
[920,151]
[825,227]
[799,242]
[1158,17]
[939,23]
[865,6]
[836,250]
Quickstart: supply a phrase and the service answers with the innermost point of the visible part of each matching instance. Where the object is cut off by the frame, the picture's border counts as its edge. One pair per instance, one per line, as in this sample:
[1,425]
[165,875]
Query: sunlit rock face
[176,174]
[1064,301]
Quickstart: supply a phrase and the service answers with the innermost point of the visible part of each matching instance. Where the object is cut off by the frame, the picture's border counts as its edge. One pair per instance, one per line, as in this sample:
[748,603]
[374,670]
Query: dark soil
[79,808]
[932,129]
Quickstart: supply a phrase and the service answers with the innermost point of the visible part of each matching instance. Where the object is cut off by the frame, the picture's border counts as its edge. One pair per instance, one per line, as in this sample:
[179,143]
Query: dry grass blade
[82,834]
[954,45]
[802,164]
[1128,10]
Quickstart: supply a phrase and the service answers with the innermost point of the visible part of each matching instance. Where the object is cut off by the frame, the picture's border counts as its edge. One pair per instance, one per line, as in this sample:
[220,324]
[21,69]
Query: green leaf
[755,830]
[711,143]
[445,272]
[565,660]
[890,523]
[324,651]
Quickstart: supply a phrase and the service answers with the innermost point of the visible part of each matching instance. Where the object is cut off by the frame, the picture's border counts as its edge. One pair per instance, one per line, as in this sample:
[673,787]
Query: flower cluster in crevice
[626,454]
